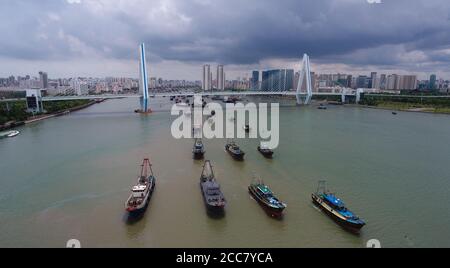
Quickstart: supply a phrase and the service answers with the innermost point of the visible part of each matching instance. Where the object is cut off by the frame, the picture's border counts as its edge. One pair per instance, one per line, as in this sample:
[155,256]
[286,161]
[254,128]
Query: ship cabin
[335,202]
[139,191]
[212,188]
[264,191]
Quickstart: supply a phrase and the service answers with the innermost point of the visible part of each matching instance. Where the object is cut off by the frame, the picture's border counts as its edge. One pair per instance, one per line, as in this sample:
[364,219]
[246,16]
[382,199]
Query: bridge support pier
[359,91]
[305,76]
[143,81]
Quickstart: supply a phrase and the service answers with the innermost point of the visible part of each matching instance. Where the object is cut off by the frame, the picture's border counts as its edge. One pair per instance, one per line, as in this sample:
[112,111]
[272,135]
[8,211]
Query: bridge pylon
[143,81]
[305,76]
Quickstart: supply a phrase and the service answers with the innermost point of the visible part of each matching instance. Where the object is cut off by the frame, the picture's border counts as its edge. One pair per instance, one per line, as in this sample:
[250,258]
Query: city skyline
[182,36]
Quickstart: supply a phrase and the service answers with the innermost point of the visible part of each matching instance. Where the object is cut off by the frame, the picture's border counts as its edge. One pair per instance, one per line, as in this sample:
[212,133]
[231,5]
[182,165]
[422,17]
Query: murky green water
[68,177]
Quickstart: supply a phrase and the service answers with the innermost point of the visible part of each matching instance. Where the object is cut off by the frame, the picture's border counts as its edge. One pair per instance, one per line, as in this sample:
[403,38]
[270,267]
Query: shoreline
[31,120]
[412,110]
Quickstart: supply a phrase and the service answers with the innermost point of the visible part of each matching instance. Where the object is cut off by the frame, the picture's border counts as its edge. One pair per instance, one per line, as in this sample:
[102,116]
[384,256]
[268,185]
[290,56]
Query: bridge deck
[223,93]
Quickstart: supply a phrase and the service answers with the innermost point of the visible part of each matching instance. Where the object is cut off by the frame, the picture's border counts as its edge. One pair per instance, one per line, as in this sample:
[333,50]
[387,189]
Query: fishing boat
[141,193]
[233,149]
[199,149]
[212,195]
[264,196]
[265,151]
[336,209]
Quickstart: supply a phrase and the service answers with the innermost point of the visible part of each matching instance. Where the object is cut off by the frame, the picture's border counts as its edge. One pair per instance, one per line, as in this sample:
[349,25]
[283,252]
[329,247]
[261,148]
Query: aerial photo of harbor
[195,131]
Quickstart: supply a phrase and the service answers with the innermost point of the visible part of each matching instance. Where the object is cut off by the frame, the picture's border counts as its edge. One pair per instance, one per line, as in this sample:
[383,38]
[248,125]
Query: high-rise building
[432,85]
[207,77]
[278,80]
[255,80]
[362,82]
[392,82]
[374,80]
[408,82]
[43,77]
[220,78]
[383,81]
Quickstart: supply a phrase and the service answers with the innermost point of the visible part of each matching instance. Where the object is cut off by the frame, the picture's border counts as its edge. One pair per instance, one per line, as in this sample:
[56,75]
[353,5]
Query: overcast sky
[101,37]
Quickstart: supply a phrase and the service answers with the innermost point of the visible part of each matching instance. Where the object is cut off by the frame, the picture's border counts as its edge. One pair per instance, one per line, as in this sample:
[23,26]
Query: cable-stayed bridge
[303,92]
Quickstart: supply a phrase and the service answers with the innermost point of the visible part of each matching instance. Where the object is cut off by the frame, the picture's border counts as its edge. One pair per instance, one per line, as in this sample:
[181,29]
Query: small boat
[199,149]
[13,134]
[212,195]
[247,128]
[394,113]
[234,150]
[266,151]
[141,193]
[336,209]
[264,196]
[322,107]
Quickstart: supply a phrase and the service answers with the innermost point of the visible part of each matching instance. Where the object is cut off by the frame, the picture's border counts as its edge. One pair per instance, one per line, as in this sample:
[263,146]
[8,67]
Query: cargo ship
[141,193]
[212,194]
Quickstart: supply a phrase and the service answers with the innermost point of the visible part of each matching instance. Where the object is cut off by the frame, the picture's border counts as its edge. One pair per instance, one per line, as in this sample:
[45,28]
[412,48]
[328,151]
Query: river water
[68,177]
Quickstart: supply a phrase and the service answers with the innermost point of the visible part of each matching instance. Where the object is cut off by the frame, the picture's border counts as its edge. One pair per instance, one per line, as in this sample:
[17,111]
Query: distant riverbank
[408,107]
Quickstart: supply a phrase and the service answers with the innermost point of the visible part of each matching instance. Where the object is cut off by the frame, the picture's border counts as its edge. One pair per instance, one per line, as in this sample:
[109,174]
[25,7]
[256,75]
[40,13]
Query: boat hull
[199,155]
[350,226]
[266,154]
[237,157]
[216,210]
[138,210]
[271,211]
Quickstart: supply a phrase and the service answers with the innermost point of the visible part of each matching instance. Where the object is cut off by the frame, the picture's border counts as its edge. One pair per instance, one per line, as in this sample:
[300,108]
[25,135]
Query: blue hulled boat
[336,209]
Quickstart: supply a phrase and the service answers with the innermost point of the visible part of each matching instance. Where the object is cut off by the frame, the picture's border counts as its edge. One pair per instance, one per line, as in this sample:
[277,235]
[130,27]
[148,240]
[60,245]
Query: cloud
[397,34]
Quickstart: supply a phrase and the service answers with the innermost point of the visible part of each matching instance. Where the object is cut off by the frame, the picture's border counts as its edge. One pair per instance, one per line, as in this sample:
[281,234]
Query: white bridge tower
[143,81]
[305,76]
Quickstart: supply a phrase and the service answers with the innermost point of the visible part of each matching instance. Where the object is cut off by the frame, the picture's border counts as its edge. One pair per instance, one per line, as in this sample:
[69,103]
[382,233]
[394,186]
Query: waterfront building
[34,101]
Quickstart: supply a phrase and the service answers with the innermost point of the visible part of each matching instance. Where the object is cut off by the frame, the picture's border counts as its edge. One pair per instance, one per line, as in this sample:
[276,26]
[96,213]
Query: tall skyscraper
[220,78]
[374,80]
[362,82]
[43,77]
[206,85]
[392,82]
[408,82]
[432,85]
[255,80]
[278,80]
[383,81]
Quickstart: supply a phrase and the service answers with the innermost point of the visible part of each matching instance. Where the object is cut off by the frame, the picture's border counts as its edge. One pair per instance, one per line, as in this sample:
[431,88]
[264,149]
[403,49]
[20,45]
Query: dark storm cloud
[354,32]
